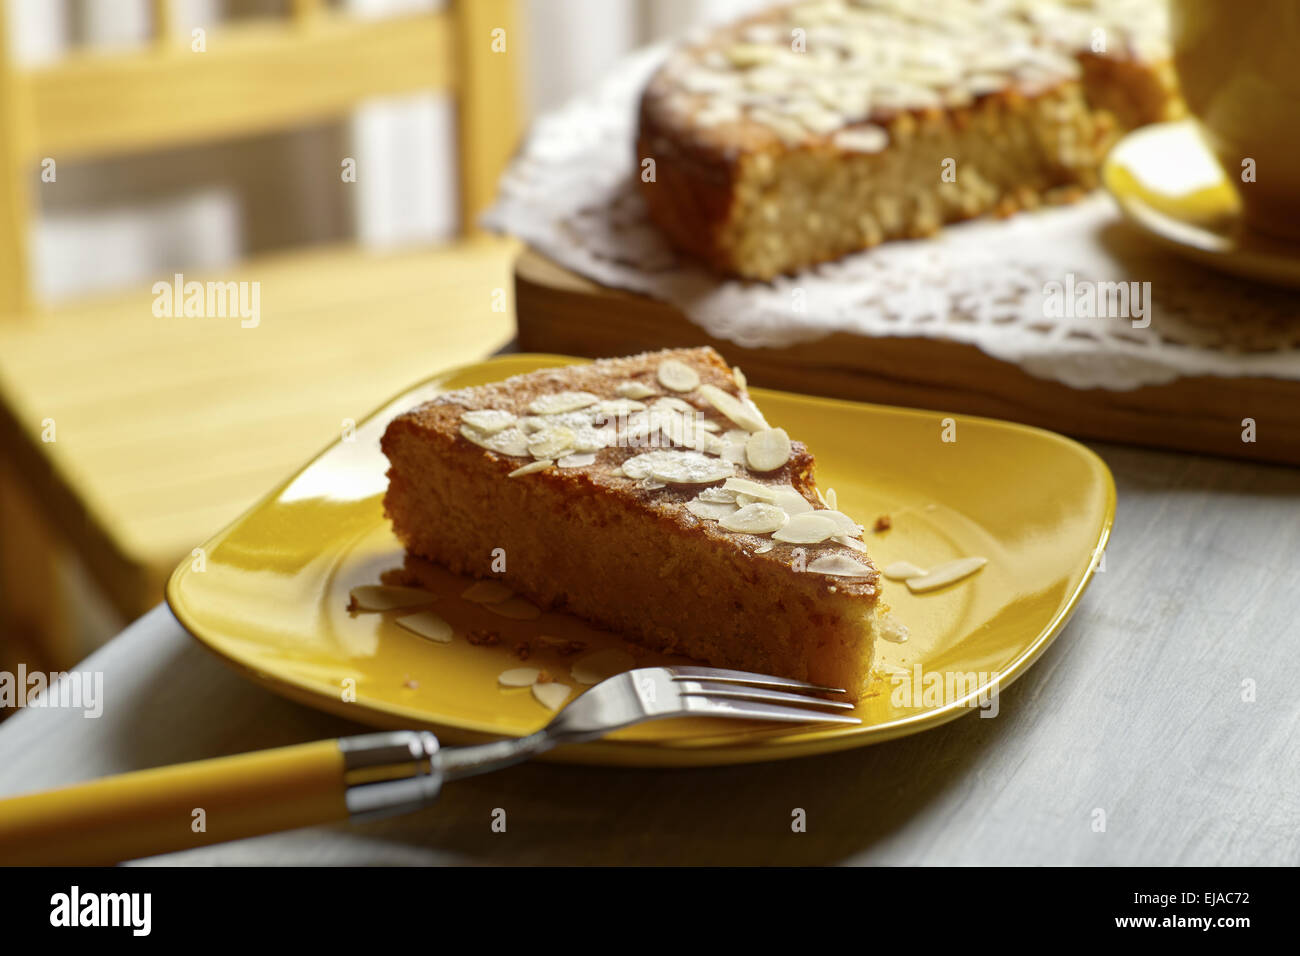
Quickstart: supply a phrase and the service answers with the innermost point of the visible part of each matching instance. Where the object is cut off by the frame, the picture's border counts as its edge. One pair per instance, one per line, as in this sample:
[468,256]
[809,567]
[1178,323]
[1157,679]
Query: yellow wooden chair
[127,438]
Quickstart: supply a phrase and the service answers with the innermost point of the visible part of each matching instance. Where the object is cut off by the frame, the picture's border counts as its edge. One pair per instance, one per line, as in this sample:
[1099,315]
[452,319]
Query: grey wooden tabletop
[1168,709]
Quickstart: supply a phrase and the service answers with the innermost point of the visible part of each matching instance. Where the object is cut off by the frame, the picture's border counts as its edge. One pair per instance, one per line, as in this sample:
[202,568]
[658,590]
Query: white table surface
[1137,709]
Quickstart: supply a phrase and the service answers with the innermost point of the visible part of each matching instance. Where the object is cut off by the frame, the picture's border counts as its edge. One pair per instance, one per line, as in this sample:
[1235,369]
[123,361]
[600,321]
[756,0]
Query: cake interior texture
[627,558]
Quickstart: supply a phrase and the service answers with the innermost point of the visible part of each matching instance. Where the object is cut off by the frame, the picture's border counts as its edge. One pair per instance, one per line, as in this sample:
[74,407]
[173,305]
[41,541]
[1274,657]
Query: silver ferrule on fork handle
[390,773]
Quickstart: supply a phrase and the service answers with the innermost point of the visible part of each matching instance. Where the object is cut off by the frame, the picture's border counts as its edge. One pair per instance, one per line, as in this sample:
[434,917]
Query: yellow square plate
[270,593]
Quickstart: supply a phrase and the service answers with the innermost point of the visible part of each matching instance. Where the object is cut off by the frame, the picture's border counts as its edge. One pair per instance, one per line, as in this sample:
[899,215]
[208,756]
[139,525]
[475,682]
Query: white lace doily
[571,194]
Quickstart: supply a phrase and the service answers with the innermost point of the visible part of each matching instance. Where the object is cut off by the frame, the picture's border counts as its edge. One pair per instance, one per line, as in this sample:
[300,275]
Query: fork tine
[743,692]
[755,710]
[746,677]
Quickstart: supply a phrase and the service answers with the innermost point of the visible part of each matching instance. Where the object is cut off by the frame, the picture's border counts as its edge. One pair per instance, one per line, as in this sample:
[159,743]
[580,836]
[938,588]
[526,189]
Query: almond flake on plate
[488,420]
[533,466]
[515,608]
[596,667]
[738,377]
[901,571]
[743,414]
[945,574]
[383,597]
[519,677]
[551,695]
[633,390]
[561,402]
[677,376]
[756,519]
[839,565]
[428,625]
[768,450]
[487,592]
[810,528]
[581,460]
[832,499]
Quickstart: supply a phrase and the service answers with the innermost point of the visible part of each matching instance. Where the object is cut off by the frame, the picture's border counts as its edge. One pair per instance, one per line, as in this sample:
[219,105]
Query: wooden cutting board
[560,311]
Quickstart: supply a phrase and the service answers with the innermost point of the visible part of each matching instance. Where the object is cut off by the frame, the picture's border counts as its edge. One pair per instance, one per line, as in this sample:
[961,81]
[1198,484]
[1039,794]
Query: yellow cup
[1238,65]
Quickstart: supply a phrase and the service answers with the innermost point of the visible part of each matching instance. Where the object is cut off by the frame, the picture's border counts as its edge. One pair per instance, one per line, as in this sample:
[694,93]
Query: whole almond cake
[820,128]
[649,496]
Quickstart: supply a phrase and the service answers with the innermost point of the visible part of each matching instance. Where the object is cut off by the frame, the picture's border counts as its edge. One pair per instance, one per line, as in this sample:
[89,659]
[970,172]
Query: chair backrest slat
[252,77]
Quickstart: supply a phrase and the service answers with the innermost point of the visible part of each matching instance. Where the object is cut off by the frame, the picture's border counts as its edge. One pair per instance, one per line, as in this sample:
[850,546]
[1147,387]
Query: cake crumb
[523,650]
[544,677]
[480,638]
[411,684]
[883,523]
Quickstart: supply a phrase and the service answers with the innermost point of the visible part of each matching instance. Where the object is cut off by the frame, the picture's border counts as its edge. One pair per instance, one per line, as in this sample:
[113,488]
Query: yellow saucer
[1168,184]
[270,593]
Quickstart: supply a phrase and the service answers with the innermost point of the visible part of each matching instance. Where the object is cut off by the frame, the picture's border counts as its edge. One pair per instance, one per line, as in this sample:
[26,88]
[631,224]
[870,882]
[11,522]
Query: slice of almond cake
[649,496]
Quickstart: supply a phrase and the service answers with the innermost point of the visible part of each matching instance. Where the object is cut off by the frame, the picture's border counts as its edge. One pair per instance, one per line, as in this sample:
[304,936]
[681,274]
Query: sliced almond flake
[487,592]
[551,442]
[747,418]
[733,452]
[587,438]
[515,608]
[764,548]
[677,467]
[767,450]
[821,497]
[581,460]
[561,402]
[428,625]
[710,510]
[677,376]
[756,519]
[744,486]
[832,499]
[533,466]
[382,597]
[790,501]
[614,407]
[808,528]
[598,666]
[675,404]
[509,441]
[738,377]
[945,574]
[901,571]
[488,420]
[891,630]
[707,425]
[519,677]
[736,435]
[551,695]
[717,496]
[846,524]
[633,390]
[649,484]
[838,565]
[850,542]
[700,470]
[867,138]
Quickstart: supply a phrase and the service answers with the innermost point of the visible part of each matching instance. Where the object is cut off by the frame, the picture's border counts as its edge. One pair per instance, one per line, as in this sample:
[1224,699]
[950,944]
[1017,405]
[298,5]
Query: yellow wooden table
[131,438]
